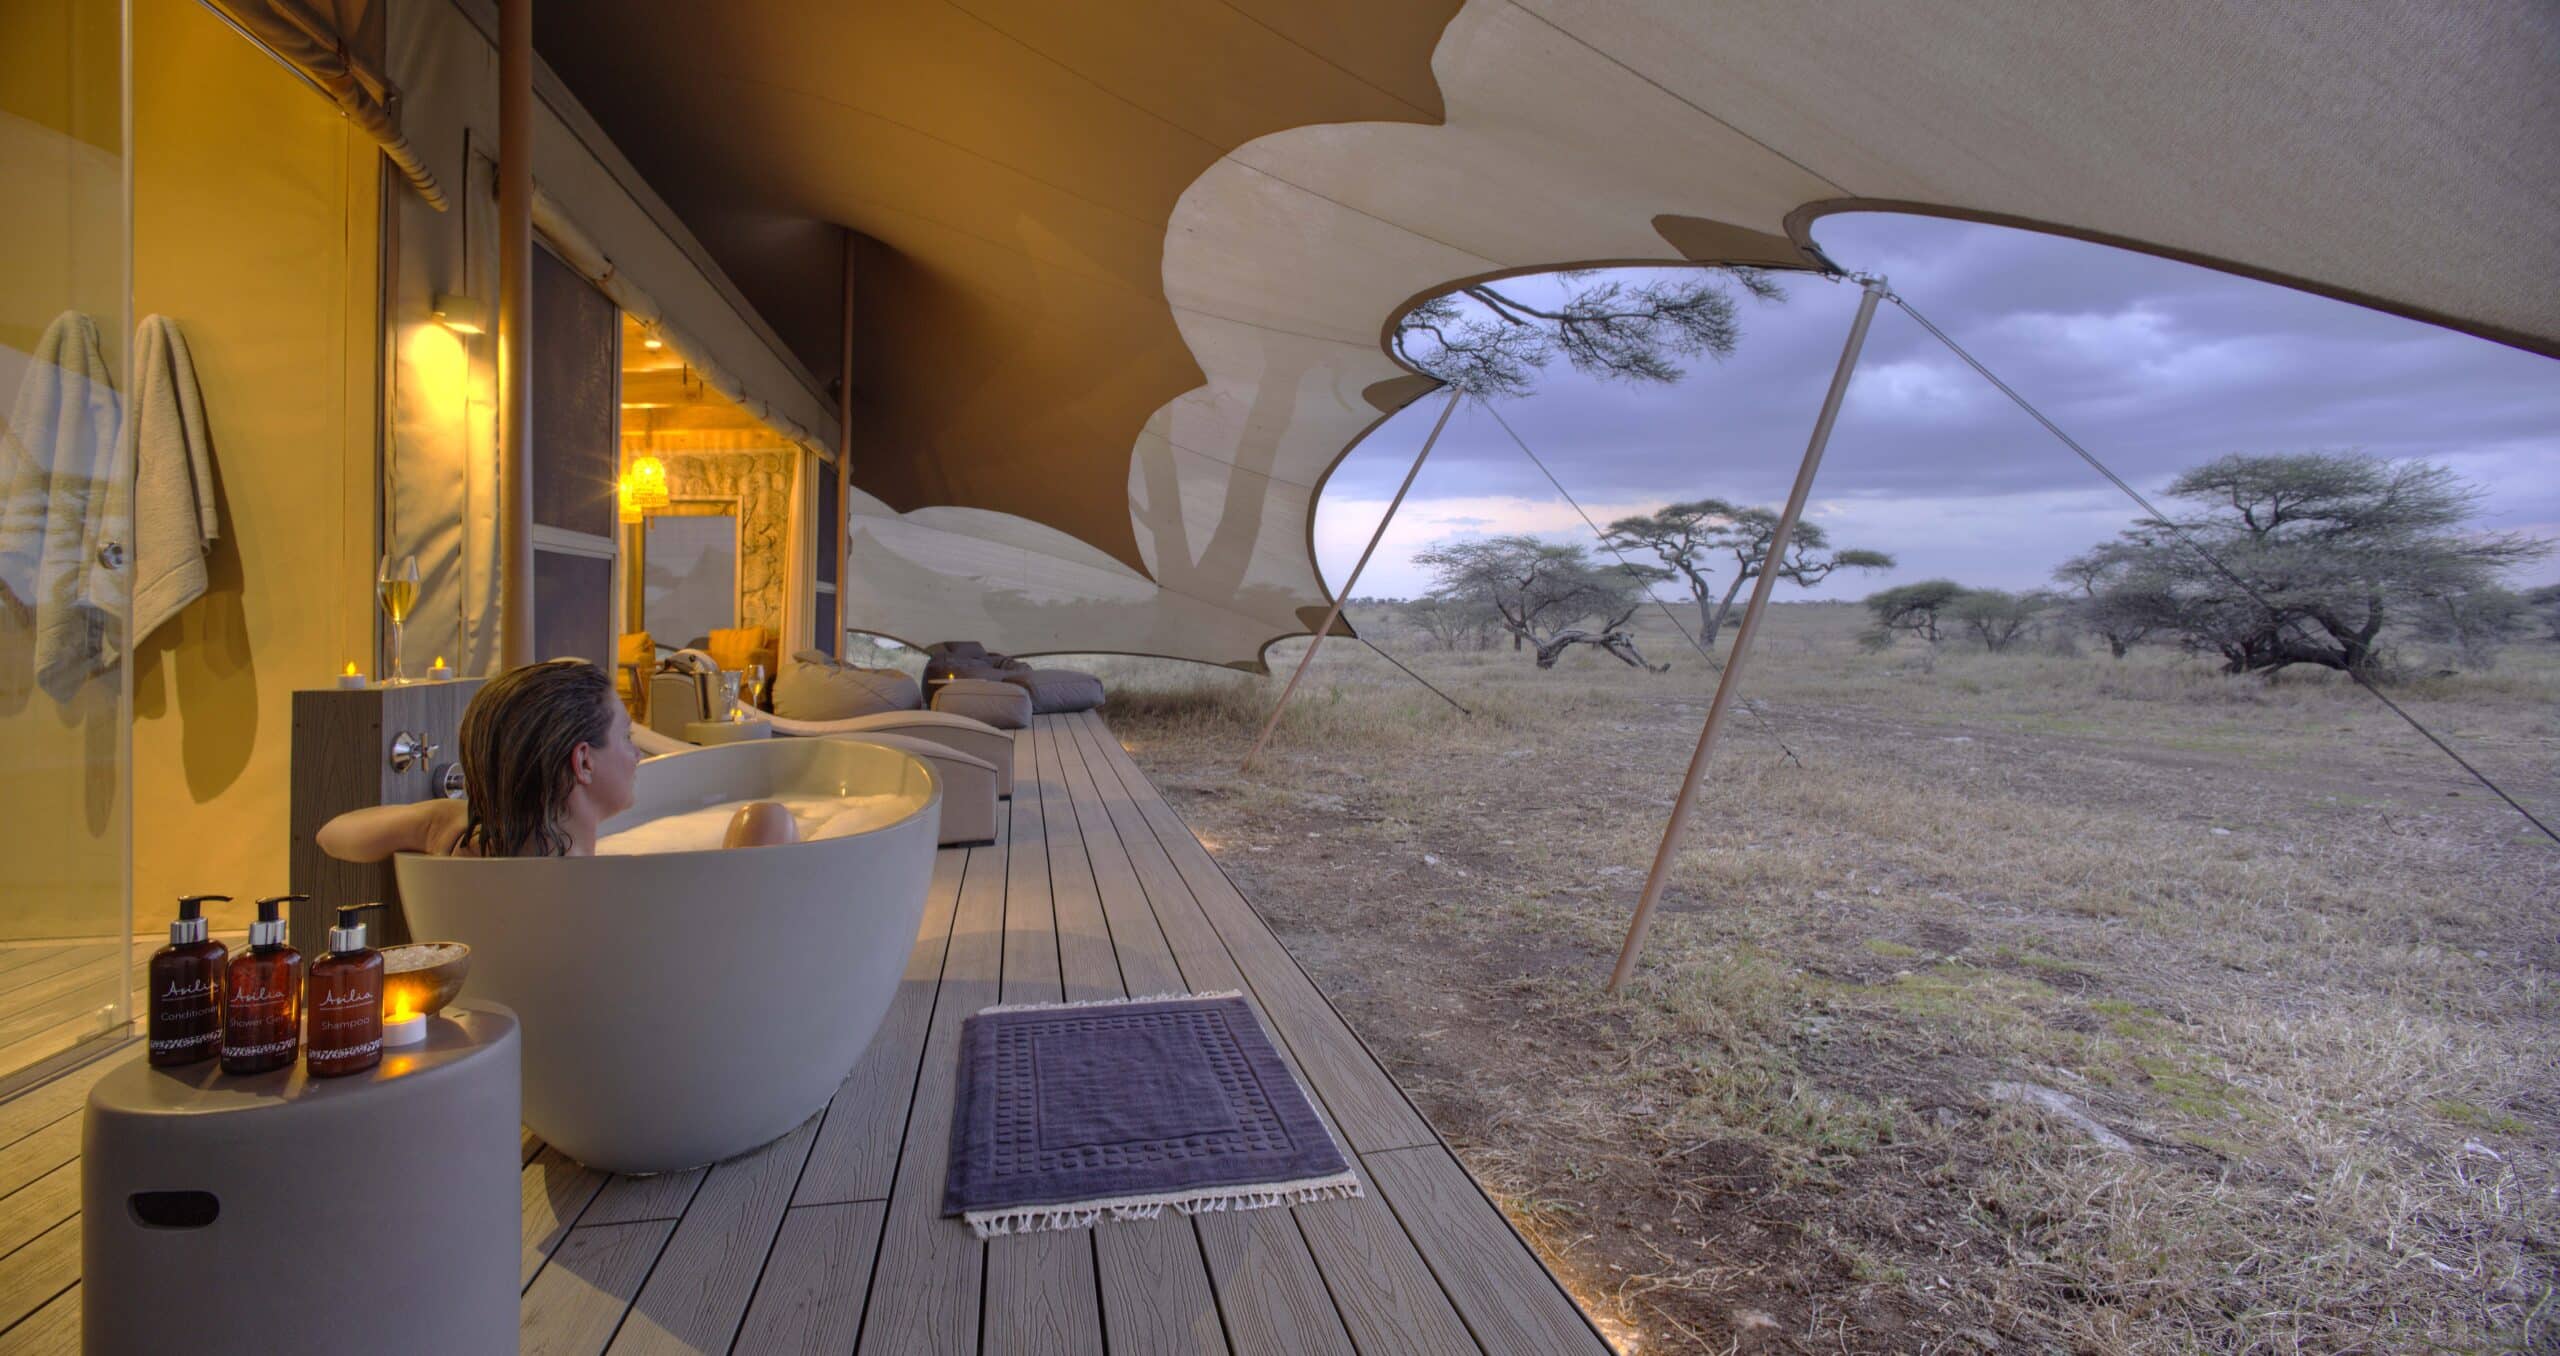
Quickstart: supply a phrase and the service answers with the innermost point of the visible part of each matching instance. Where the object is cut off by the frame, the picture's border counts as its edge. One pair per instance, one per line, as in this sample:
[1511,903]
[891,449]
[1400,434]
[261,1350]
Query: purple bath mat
[1068,1111]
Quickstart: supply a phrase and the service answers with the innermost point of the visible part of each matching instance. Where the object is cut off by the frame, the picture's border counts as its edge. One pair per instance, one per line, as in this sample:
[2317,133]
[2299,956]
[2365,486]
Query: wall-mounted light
[643,487]
[461,314]
[649,339]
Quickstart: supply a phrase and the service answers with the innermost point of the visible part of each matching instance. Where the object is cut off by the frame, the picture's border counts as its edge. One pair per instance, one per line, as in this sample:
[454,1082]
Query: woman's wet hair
[517,740]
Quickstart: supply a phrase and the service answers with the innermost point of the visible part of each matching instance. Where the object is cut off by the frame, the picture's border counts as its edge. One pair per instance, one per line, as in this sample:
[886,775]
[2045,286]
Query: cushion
[955,649]
[1054,690]
[636,647]
[814,687]
[1001,705]
[736,647]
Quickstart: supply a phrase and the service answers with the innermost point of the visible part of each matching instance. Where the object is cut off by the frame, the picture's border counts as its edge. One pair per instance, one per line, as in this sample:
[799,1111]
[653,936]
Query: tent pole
[844,461]
[515,324]
[1731,681]
[1334,614]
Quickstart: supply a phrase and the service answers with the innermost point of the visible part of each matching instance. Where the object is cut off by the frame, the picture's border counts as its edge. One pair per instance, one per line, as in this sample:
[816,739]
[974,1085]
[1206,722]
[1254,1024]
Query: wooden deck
[831,1238]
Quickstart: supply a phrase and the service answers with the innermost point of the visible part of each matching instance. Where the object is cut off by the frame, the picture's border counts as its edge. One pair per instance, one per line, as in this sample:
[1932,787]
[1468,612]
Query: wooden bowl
[424,976]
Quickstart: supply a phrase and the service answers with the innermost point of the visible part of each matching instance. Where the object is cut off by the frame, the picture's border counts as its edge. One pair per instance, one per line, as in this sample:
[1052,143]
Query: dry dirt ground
[2039,1002]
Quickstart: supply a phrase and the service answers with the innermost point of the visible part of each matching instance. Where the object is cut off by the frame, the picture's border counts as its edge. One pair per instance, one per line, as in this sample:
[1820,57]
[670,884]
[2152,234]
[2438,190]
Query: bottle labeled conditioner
[345,1000]
[185,989]
[262,1007]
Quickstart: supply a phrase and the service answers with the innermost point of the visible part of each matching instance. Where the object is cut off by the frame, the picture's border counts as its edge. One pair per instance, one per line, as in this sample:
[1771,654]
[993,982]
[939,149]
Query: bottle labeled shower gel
[262,1011]
[345,1000]
[185,992]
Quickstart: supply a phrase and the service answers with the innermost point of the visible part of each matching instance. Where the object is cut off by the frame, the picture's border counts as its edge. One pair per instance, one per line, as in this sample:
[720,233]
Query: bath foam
[701,830]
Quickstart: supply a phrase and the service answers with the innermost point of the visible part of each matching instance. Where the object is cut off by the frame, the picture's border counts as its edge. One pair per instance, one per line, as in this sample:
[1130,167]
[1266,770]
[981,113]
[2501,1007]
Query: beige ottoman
[1002,705]
[968,787]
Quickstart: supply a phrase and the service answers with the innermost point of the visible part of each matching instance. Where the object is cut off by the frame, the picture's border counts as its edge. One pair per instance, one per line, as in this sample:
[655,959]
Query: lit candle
[438,672]
[351,680]
[400,1026]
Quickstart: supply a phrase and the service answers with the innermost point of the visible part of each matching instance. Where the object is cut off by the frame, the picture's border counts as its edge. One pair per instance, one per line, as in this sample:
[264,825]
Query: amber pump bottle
[262,1014]
[185,992]
[345,1000]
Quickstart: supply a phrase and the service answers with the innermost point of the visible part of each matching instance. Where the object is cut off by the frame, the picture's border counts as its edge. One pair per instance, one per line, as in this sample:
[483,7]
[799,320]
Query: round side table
[379,1212]
[726,731]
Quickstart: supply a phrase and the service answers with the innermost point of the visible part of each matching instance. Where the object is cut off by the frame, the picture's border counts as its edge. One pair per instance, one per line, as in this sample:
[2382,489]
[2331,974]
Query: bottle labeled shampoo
[185,992]
[262,1014]
[345,1000]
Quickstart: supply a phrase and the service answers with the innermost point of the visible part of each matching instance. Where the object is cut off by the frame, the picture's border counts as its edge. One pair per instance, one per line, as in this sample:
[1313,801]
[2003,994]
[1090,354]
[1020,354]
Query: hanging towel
[169,496]
[56,462]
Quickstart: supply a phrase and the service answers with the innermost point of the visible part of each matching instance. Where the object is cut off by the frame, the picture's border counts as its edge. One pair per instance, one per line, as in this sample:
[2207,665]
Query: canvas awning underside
[1134,261]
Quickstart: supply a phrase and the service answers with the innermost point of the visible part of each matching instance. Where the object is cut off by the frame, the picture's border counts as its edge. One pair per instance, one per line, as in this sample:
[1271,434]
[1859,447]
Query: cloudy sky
[2153,365]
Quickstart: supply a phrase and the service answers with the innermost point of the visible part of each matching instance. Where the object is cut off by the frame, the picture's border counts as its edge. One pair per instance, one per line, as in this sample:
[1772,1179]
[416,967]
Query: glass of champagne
[395,586]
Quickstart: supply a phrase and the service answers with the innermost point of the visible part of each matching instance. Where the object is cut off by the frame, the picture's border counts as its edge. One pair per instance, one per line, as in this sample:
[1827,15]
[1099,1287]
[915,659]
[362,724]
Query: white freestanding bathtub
[683,1007]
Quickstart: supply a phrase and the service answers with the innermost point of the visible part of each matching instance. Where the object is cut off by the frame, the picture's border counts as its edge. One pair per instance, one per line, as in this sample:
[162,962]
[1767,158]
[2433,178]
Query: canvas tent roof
[1130,264]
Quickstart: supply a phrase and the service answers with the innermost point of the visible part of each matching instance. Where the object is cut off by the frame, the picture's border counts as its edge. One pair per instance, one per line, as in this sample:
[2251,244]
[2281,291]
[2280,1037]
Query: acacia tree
[1911,609]
[2112,597]
[1549,597]
[1995,617]
[1452,623]
[1491,341]
[2544,603]
[1687,536]
[2317,551]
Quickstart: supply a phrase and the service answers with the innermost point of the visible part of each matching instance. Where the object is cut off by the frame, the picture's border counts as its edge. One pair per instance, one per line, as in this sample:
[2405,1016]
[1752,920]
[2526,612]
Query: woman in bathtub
[546,757]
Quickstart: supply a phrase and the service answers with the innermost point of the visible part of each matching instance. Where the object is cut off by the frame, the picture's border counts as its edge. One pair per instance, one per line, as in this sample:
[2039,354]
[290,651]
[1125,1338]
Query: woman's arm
[373,833]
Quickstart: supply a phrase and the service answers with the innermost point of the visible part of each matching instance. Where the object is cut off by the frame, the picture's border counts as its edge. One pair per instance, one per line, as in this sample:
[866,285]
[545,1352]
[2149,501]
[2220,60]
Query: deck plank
[576,1303]
[39,1271]
[926,1289]
[1507,1295]
[625,1199]
[1042,1297]
[696,1296]
[40,1153]
[39,1205]
[856,1157]
[1156,1296]
[48,1331]
[810,1297]
[556,1191]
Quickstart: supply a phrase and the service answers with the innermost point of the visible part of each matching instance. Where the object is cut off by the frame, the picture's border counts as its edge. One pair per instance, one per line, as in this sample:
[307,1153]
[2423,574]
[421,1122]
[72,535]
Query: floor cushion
[1054,690]
[1001,705]
[813,686]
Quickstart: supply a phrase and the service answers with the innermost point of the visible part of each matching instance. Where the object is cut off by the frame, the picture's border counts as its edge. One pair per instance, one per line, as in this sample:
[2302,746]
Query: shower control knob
[410,749]
[447,781]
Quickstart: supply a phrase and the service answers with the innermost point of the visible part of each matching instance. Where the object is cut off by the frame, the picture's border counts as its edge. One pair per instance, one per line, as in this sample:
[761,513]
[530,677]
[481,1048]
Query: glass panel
[690,579]
[573,606]
[64,734]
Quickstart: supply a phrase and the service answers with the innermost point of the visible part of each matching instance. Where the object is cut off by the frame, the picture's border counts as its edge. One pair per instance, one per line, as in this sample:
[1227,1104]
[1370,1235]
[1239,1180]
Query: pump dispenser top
[348,935]
[189,927]
[269,930]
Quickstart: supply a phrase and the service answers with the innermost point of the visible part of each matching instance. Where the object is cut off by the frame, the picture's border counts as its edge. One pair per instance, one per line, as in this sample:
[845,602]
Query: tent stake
[1731,680]
[1335,613]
